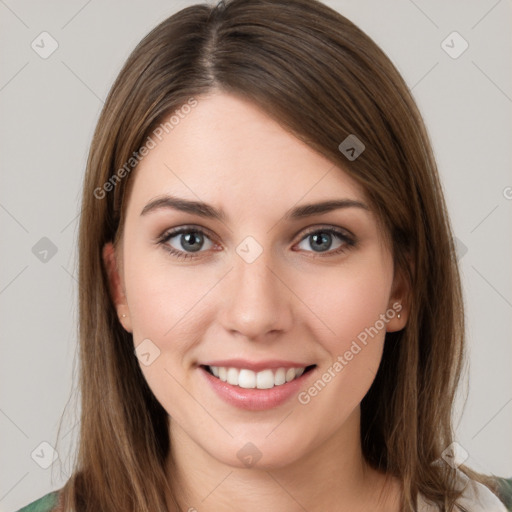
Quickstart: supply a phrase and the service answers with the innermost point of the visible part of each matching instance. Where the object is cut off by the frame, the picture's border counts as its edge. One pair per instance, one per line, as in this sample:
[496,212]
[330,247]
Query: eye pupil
[191,239]
[322,241]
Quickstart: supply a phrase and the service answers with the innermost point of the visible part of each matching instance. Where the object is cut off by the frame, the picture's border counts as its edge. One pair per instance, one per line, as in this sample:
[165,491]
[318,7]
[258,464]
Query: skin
[293,302]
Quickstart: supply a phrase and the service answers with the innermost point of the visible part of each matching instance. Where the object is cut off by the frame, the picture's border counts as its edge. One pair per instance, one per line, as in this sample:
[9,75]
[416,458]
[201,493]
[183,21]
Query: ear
[116,286]
[399,303]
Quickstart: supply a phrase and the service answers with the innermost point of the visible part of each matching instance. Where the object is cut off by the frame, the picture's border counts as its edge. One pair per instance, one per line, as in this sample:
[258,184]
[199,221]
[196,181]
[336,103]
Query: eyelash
[348,241]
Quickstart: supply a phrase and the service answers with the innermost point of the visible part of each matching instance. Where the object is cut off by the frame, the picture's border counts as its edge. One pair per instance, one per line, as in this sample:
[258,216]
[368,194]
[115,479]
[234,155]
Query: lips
[254,399]
[256,386]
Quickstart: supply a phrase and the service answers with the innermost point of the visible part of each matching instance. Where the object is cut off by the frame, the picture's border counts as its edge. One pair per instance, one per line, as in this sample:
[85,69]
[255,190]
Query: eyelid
[327,227]
[169,233]
[347,236]
[186,228]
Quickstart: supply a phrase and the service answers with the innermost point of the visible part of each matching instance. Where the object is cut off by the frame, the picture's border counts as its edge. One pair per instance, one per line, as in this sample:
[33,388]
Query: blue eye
[322,241]
[187,240]
[183,242]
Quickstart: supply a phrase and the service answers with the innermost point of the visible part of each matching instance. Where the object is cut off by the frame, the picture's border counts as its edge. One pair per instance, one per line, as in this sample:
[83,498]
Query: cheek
[169,304]
[358,312]
[348,302]
[352,310]
[166,309]
[156,291]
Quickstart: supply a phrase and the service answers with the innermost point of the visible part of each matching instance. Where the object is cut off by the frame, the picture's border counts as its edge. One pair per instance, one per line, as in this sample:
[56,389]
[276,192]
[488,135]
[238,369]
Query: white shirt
[475,498]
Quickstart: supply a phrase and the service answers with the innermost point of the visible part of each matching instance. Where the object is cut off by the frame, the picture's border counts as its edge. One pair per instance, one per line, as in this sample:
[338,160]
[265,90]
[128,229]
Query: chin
[259,452]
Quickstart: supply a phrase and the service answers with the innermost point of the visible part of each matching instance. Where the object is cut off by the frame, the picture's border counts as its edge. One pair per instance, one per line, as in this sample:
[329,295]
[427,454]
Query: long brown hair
[322,79]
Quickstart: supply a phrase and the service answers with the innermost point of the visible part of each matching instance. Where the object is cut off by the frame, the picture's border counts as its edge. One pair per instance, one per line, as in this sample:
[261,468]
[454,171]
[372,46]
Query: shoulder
[475,497]
[479,498]
[45,504]
[505,491]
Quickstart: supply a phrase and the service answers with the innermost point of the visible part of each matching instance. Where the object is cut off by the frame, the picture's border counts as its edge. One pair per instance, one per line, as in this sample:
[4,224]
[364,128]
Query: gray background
[48,110]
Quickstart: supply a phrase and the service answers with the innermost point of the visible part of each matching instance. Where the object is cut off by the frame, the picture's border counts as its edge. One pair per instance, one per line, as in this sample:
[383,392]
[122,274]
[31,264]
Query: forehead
[228,152]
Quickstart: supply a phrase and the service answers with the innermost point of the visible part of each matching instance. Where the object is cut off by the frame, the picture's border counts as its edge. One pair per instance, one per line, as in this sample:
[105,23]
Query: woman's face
[228,267]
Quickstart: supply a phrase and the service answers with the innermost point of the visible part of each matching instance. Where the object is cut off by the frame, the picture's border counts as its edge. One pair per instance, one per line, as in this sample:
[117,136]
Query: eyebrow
[208,211]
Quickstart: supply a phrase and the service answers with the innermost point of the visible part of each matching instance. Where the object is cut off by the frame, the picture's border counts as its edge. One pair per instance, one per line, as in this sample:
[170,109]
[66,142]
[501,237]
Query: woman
[270,307]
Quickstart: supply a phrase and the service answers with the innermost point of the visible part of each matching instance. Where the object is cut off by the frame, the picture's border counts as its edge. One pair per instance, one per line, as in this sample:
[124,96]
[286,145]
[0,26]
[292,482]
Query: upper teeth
[265,379]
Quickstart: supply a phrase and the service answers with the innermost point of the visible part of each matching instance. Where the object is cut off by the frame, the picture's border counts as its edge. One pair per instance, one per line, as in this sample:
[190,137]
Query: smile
[249,379]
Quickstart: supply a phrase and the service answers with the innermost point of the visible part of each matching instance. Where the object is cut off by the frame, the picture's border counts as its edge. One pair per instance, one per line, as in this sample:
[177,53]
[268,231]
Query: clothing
[476,498]
[44,504]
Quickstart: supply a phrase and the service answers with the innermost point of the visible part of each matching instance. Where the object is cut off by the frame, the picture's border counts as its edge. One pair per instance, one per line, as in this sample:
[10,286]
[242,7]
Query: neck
[330,477]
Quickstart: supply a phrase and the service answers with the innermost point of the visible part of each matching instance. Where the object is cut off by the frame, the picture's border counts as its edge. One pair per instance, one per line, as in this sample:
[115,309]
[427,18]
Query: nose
[258,302]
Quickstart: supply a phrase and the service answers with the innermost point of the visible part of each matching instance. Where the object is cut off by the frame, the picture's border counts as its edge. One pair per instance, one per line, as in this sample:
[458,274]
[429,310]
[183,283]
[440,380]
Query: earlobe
[397,314]
[116,286]
[399,304]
